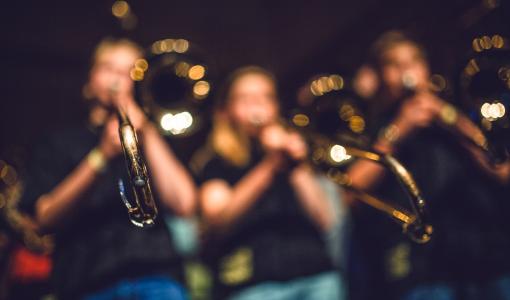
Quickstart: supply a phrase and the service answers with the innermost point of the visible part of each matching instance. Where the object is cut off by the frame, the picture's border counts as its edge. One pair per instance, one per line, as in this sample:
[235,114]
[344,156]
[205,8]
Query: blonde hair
[112,43]
[226,139]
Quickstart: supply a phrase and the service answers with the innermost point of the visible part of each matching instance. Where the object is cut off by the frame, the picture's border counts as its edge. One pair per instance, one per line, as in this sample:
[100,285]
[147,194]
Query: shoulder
[206,164]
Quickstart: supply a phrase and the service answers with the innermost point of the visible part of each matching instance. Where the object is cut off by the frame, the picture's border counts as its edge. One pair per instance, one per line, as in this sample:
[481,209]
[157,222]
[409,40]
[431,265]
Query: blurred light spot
[181,69]
[178,123]
[338,153]
[315,89]
[181,46]
[486,42]
[8,175]
[438,82]
[336,82]
[497,41]
[201,89]
[357,124]
[3,200]
[476,45]
[493,111]
[346,112]
[301,120]
[196,72]
[120,8]
[136,74]
[141,64]
[472,67]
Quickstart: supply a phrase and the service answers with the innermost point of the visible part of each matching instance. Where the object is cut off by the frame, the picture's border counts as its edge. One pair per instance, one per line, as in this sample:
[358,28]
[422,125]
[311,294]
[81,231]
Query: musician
[465,193]
[262,205]
[72,192]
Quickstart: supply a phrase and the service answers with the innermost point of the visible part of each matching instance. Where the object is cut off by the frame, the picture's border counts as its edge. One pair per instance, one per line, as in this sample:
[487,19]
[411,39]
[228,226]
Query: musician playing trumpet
[72,192]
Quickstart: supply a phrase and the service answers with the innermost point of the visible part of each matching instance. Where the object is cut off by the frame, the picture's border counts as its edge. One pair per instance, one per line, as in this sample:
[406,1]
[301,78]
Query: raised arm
[222,204]
[172,181]
[54,208]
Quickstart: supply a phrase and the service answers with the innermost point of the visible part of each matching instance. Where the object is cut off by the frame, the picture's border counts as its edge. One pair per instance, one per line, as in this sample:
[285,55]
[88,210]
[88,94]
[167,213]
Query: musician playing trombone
[72,192]
[441,148]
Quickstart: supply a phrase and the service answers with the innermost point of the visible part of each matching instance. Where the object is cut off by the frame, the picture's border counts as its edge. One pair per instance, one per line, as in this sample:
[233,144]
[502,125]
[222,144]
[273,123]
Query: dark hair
[224,91]
[387,41]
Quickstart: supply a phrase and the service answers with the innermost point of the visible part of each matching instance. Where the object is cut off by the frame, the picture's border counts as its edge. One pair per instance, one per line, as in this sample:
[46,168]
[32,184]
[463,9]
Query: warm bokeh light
[142,64]
[201,89]
[181,46]
[357,124]
[181,69]
[196,72]
[438,82]
[346,112]
[136,74]
[301,120]
[120,9]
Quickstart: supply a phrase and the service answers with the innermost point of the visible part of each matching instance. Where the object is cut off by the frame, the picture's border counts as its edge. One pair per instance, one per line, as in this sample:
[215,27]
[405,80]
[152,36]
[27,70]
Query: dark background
[46,45]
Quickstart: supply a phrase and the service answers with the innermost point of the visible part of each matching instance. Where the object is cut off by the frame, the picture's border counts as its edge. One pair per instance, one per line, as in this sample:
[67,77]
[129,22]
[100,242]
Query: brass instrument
[482,87]
[142,211]
[341,117]
[413,222]
[482,137]
[172,84]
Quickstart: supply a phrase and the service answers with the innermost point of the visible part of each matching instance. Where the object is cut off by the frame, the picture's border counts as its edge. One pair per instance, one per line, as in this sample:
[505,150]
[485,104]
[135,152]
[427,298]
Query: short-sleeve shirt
[97,245]
[273,241]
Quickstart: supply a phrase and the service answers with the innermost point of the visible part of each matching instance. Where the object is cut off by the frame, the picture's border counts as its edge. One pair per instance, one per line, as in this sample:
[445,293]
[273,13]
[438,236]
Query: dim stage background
[46,45]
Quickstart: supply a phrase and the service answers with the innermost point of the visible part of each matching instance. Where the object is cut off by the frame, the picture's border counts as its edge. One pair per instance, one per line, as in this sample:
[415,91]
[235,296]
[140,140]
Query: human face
[112,68]
[402,60]
[252,102]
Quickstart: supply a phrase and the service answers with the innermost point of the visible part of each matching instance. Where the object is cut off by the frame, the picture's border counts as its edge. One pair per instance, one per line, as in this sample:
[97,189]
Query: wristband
[97,160]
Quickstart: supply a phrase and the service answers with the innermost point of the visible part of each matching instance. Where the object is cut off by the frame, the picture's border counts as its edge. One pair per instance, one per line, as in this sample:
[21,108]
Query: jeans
[498,289]
[324,286]
[144,288]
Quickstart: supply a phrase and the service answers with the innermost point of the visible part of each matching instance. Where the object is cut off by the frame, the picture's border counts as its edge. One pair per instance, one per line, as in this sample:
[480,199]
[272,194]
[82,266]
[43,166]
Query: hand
[296,147]
[133,110]
[110,142]
[420,111]
[273,138]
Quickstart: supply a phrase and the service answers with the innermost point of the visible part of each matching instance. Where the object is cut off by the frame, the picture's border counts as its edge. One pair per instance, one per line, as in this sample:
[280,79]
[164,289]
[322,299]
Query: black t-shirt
[468,210]
[98,245]
[274,241]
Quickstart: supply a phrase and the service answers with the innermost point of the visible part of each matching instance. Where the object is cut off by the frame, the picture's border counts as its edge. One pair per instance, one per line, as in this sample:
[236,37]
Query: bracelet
[97,160]
[448,114]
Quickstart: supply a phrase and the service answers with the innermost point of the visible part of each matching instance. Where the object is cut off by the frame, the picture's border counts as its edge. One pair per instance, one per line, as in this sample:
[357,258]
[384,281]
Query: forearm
[172,181]
[54,208]
[311,196]
[246,192]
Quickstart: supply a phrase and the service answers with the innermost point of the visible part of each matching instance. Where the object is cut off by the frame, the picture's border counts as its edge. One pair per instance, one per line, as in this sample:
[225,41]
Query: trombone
[413,222]
[142,210]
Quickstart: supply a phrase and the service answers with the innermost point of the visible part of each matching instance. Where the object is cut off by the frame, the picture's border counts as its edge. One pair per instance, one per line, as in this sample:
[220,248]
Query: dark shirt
[467,209]
[98,245]
[274,241]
